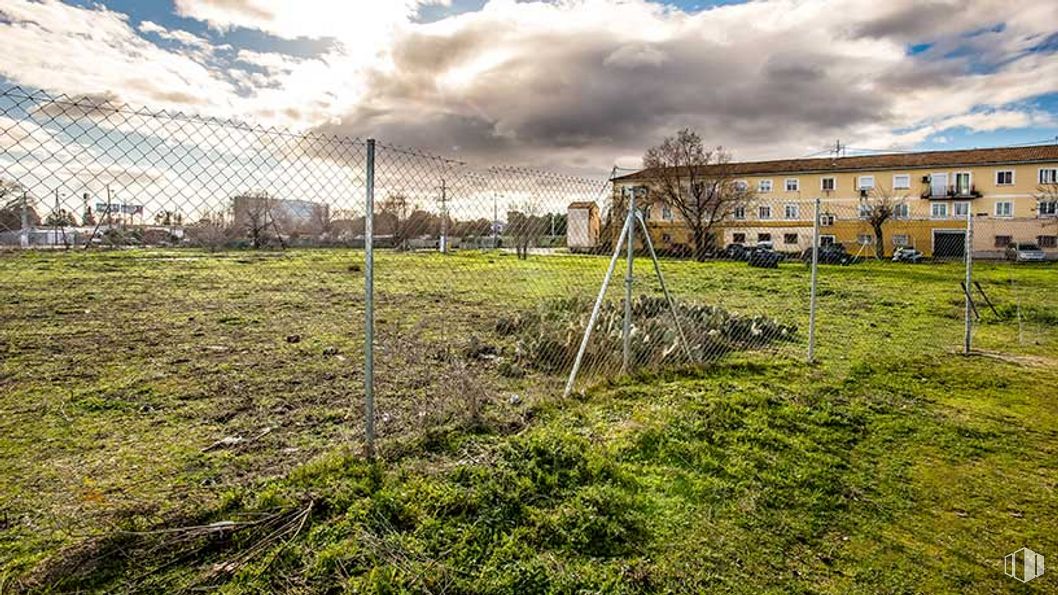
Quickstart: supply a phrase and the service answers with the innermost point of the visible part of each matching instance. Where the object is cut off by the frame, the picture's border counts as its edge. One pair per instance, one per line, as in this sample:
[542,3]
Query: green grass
[892,465]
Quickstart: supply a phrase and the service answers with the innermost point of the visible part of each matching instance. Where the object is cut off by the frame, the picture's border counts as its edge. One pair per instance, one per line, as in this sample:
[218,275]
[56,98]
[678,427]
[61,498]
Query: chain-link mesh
[177,331]
[193,315]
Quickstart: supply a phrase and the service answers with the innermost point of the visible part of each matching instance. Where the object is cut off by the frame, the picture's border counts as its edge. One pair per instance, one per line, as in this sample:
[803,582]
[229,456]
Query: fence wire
[191,315]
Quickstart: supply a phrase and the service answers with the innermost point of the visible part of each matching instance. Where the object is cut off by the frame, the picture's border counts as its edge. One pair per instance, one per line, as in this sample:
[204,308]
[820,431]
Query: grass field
[894,464]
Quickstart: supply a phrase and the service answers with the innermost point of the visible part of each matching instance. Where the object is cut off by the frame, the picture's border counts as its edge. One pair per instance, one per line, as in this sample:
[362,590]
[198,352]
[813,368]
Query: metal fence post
[812,298]
[598,305]
[23,236]
[968,336]
[369,303]
[626,331]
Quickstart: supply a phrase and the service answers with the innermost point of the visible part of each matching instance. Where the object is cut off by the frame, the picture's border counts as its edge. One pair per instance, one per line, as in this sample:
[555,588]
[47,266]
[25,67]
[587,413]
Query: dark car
[735,252]
[764,257]
[830,254]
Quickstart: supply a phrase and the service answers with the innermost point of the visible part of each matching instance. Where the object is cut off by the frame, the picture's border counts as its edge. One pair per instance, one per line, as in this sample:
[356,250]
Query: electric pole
[495,225]
[24,238]
[444,218]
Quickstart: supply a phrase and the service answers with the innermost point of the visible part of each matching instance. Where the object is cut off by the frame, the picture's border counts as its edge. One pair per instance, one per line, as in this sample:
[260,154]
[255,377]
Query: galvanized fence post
[968,333]
[812,295]
[369,303]
[626,331]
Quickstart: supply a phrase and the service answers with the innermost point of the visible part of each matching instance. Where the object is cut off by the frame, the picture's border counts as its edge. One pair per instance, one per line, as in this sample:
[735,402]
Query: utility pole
[495,225]
[61,217]
[444,218]
[24,237]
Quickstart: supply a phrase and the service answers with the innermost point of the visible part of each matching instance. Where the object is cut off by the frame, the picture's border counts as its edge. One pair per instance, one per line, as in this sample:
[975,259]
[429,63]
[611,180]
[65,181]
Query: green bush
[549,336]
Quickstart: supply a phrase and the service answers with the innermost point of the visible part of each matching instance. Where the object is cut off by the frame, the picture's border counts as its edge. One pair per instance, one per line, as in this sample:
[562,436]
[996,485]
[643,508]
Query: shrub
[549,336]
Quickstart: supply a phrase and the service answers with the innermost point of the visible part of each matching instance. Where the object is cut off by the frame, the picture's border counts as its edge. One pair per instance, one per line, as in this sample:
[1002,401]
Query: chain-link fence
[194,313]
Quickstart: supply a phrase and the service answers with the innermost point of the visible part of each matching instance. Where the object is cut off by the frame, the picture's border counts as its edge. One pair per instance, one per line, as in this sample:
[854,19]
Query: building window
[666,213]
[961,209]
[902,182]
[962,183]
[790,211]
[1003,241]
[764,212]
[763,237]
[1005,177]
[1049,176]
[738,238]
[740,212]
[741,185]
[789,238]
[826,240]
[865,182]
[1047,241]
[864,211]
[764,186]
[793,184]
[865,239]
[900,239]
[1004,209]
[938,210]
[666,238]
[828,184]
[826,219]
[1048,208]
[901,211]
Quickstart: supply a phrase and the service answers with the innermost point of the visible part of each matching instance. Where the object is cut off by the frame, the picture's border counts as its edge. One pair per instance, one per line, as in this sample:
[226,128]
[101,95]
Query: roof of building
[924,159]
[586,204]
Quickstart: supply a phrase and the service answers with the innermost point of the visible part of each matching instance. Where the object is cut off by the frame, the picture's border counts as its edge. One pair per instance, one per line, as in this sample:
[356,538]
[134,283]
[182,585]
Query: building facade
[583,226]
[1010,193]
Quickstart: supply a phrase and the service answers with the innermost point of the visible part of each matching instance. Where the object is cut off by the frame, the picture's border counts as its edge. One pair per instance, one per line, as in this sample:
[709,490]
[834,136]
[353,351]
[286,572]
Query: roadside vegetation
[175,420]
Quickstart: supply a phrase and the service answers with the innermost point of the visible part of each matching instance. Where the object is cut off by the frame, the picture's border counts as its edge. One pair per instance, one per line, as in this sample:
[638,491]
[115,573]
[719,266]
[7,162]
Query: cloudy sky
[570,84]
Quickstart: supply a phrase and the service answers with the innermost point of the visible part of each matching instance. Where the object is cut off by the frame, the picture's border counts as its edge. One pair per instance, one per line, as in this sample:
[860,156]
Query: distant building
[583,226]
[999,187]
[283,216]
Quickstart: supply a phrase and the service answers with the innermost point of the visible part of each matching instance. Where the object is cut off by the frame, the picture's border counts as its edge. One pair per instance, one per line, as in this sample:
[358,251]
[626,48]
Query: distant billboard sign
[118,209]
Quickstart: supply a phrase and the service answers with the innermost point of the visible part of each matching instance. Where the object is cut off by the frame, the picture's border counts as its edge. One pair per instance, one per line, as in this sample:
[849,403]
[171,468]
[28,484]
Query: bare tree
[254,212]
[1047,201]
[17,207]
[211,232]
[525,226]
[879,206]
[394,214]
[698,183]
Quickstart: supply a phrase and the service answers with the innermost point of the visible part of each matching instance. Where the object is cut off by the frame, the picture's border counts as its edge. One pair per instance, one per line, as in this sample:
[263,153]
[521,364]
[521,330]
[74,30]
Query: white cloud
[356,22]
[52,45]
[574,83]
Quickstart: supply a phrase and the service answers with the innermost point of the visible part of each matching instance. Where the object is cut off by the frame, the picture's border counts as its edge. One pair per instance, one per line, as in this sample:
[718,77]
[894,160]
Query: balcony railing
[952,192]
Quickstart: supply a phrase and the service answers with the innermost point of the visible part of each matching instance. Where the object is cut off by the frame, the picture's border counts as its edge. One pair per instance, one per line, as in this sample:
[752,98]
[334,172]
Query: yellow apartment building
[999,188]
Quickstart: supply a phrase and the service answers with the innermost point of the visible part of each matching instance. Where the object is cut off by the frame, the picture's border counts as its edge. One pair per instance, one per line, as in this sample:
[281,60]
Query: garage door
[949,244]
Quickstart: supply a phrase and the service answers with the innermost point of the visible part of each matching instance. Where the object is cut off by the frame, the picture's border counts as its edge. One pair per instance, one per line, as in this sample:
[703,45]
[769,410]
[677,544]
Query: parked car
[1025,252]
[764,257]
[905,254]
[830,254]
[735,252]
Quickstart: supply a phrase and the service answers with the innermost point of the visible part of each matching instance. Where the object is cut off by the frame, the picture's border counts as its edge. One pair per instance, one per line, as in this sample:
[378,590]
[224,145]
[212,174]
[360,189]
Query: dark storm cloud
[556,97]
[580,93]
[915,20]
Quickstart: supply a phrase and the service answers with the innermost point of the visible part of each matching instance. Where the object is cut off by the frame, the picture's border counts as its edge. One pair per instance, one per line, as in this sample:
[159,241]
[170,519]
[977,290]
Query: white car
[1025,252]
